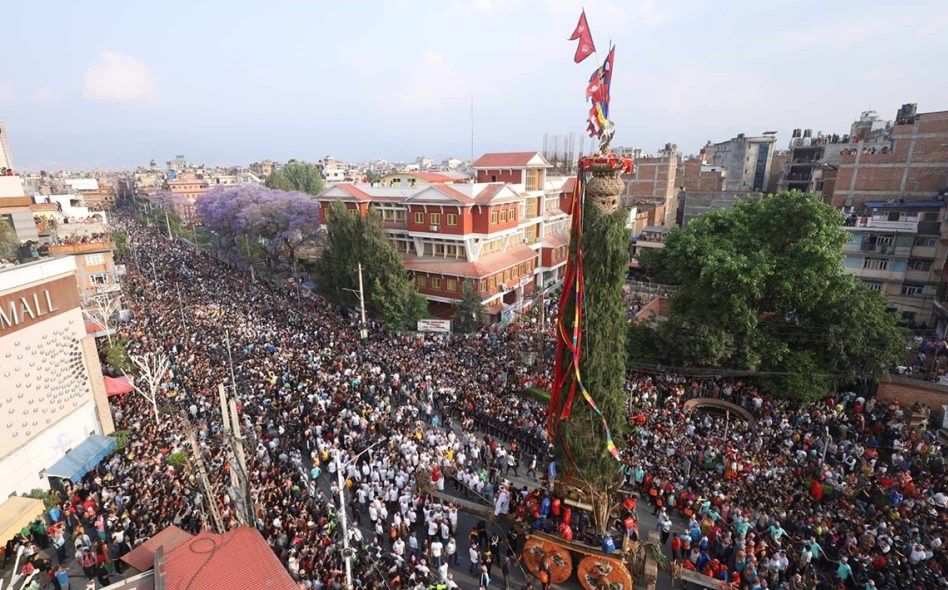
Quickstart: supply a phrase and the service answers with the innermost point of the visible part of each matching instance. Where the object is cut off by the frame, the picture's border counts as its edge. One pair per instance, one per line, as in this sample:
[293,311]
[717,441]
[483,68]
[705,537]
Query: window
[493,282]
[419,218]
[493,178]
[483,285]
[420,281]
[930,216]
[435,218]
[493,217]
[507,275]
[513,214]
[99,279]
[438,249]
[875,263]
[877,287]
[452,285]
[95,259]
[451,219]
[908,316]
[452,250]
[503,215]
[912,290]
[925,242]
[435,283]
[919,264]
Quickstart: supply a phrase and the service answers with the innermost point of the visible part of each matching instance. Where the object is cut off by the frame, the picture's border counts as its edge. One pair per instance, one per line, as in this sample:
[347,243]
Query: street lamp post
[363,332]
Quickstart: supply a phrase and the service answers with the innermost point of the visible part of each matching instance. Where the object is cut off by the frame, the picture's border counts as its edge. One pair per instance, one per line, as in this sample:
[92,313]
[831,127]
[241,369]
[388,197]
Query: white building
[52,400]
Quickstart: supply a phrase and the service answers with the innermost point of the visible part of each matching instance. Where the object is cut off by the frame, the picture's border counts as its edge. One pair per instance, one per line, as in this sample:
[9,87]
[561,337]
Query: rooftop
[511,160]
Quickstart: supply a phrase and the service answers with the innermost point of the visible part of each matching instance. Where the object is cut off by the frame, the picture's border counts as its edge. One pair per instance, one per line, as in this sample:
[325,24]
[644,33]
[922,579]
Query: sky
[113,84]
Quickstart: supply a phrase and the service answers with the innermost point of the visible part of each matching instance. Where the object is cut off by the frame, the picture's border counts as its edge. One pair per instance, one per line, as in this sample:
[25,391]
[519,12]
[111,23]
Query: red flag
[586,47]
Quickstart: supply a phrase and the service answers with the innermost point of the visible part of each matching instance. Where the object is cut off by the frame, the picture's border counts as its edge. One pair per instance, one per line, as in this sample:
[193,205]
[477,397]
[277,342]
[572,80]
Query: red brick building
[507,232]
[911,163]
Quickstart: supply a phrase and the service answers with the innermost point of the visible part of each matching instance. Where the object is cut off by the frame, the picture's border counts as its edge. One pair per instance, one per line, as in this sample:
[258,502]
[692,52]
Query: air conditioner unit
[432,228]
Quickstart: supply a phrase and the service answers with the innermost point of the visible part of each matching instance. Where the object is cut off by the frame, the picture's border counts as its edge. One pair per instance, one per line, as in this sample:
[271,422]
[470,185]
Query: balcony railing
[862,222]
[80,247]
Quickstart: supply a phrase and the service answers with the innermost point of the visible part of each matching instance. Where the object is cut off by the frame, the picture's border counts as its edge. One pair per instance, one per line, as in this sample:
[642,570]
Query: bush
[44,495]
[117,357]
[121,439]
[178,460]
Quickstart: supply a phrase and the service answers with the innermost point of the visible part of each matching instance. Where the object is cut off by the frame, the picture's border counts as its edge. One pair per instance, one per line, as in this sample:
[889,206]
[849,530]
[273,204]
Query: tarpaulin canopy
[83,458]
[117,385]
[16,513]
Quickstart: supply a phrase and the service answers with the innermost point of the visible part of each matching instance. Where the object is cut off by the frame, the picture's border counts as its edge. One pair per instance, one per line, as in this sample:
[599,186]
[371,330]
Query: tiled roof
[482,267]
[556,240]
[569,185]
[240,559]
[434,177]
[142,557]
[510,160]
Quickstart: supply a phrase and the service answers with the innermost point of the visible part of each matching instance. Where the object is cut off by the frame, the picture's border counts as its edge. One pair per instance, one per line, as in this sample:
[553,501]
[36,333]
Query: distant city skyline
[119,84]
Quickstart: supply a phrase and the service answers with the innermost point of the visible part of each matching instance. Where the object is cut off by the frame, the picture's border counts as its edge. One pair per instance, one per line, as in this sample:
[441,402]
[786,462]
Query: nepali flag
[599,82]
[586,46]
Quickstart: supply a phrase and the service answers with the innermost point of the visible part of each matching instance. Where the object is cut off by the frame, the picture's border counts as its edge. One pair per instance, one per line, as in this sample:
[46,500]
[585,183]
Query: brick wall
[909,391]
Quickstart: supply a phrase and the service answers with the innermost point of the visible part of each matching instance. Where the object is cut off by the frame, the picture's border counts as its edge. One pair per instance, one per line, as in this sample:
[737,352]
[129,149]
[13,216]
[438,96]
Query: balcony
[883,249]
[876,274]
[108,288]
[81,247]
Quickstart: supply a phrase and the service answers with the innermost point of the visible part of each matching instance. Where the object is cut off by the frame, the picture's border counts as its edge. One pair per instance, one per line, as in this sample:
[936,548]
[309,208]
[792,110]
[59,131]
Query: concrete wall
[692,205]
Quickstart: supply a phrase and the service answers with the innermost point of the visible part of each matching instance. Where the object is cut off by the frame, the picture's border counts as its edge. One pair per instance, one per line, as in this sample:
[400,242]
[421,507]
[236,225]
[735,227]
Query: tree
[278,222]
[117,357]
[9,242]
[100,310]
[467,313]
[297,176]
[389,293]
[152,369]
[279,182]
[762,289]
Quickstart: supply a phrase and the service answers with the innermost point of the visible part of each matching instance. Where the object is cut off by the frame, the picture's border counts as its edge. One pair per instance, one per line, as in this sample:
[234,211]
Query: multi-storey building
[898,247]
[746,160]
[413,179]
[54,395]
[907,161]
[650,187]
[507,233]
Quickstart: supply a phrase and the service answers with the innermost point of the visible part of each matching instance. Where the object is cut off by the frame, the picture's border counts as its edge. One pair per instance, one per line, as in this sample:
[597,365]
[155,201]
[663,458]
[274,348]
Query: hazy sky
[116,83]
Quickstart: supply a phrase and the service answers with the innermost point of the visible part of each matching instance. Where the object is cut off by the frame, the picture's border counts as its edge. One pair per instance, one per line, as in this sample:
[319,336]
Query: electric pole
[363,333]
[209,494]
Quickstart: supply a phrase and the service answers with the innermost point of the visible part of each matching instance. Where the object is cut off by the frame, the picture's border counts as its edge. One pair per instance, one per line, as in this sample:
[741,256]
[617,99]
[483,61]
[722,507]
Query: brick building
[910,161]
[651,187]
[507,232]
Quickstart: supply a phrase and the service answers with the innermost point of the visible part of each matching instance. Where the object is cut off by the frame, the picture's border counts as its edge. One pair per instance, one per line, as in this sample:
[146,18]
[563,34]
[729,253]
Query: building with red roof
[239,559]
[506,231]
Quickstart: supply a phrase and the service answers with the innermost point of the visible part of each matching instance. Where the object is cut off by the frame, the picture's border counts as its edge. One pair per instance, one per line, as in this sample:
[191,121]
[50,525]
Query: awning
[117,385]
[16,513]
[83,458]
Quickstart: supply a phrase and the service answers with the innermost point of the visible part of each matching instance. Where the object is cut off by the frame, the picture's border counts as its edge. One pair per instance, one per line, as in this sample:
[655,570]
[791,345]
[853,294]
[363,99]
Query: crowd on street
[413,422]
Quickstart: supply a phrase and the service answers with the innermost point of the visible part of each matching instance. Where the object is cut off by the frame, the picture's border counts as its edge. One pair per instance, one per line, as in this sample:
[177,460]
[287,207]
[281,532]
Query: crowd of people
[839,493]
[396,417]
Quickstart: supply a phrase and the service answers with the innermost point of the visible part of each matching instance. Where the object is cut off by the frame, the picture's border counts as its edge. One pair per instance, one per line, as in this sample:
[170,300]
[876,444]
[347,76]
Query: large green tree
[467,313]
[762,289]
[297,176]
[390,295]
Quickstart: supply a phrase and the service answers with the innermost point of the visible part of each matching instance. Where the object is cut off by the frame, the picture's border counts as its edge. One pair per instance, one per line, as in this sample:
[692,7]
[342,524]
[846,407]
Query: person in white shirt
[437,552]
[451,552]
